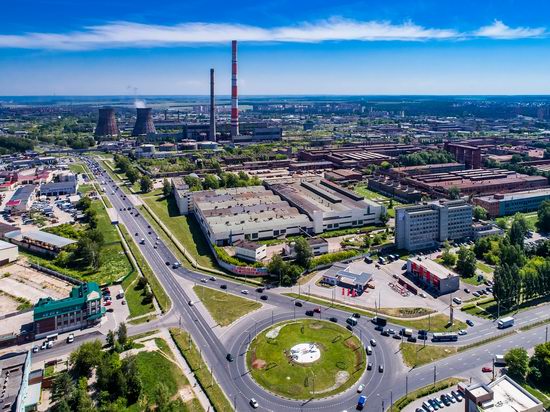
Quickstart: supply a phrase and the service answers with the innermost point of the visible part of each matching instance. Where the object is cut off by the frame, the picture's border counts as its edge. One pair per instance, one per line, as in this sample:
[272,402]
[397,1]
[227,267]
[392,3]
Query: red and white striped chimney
[234,93]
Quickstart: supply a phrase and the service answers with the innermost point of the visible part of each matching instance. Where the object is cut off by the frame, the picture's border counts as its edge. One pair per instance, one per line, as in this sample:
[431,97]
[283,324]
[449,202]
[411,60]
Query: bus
[444,337]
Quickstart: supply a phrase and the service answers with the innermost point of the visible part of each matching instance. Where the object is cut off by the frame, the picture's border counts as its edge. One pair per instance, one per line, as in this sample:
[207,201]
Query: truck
[380,321]
[505,322]
[499,360]
[406,332]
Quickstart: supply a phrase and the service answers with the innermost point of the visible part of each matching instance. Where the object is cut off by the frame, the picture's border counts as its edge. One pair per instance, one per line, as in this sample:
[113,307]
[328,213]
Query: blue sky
[73,47]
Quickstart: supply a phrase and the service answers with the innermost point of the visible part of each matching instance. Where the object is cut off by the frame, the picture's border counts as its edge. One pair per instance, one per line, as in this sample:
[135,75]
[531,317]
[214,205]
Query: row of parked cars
[446,399]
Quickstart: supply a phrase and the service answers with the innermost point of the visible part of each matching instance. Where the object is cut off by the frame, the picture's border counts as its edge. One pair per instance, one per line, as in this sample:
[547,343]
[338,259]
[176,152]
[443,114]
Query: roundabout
[306,359]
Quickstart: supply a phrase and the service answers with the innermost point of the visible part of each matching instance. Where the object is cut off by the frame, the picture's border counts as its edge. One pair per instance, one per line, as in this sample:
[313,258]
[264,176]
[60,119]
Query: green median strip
[189,351]
[434,323]
[157,289]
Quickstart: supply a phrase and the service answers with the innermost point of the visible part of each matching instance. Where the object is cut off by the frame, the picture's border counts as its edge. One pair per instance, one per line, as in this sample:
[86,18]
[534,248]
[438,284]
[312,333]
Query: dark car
[379,328]
[356,315]
[309,313]
[263,297]
[381,368]
[333,320]
[411,339]
[469,323]
[260,290]
[223,286]
[369,366]
[167,263]
[385,333]
[396,337]
[298,303]
[229,357]
[349,327]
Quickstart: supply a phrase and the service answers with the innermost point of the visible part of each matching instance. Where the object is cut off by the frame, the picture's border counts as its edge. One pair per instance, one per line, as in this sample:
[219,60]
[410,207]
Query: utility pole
[429,321]
[407,384]
[391,401]
[272,316]
[546,337]
[435,373]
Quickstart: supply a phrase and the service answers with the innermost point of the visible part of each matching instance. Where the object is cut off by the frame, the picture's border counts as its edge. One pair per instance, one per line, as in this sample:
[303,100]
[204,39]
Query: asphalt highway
[234,378]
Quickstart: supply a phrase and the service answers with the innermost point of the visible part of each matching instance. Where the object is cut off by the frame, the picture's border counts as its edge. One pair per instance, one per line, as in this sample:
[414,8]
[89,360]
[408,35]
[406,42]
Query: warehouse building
[38,241]
[20,391]
[328,205]
[80,310]
[67,184]
[8,253]
[433,276]
[428,225]
[21,200]
[511,203]
[340,274]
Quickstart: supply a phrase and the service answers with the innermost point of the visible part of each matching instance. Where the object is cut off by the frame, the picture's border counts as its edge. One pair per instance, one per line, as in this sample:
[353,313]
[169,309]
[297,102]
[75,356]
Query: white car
[254,403]
[190,303]
[372,342]
[70,338]
[212,278]
[203,280]
[462,332]
[360,388]
[244,292]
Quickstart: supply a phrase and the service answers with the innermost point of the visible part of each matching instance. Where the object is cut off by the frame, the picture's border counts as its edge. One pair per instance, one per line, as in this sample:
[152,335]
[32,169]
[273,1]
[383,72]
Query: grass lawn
[85,189]
[77,168]
[484,267]
[225,308]
[435,323]
[342,354]
[193,357]
[488,308]
[184,228]
[402,402]
[541,395]
[418,354]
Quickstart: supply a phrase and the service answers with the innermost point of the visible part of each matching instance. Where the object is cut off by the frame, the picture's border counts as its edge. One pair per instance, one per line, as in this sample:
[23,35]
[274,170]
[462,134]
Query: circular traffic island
[306,359]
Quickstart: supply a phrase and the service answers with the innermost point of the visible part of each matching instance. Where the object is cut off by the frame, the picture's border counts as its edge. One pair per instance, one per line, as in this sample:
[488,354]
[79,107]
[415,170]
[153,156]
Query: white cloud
[499,30]
[128,34]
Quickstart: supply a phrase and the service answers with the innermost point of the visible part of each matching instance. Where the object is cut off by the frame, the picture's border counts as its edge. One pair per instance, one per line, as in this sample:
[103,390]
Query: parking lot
[457,406]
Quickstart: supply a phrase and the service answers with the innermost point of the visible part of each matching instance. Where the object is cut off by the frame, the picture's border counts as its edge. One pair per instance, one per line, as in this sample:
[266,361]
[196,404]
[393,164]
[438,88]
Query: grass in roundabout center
[341,363]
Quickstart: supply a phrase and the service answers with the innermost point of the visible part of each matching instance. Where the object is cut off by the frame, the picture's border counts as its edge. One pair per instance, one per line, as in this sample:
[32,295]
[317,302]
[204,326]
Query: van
[457,300]
[369,350]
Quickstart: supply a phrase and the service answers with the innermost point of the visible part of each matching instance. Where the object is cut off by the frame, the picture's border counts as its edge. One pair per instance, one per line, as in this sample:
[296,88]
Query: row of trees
[220,180]
[426,158]
[535,370]
[464,261]
[132,173]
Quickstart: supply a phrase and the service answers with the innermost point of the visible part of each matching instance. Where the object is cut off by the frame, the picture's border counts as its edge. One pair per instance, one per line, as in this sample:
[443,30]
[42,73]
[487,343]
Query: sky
[316,47]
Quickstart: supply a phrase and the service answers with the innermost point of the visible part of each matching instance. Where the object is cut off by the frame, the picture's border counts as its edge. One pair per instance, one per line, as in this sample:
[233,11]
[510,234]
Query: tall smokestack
[144,122]
[212,108]
[106,123]
[234,93]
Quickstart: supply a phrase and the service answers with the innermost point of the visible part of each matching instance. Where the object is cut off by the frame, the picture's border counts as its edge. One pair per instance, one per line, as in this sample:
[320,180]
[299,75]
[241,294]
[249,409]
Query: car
[190,303]
[422,295]
[155,246]
[349,327]
[411,339]
[469,323]
[158,238]
[444,399]
[123,302]
[419,410]
[149,232]
[70,338]
[229,357]
[476,294]
[457,396]
[260,290]
[360,388]
[379,328]
[486,369]
[356,315]
[298,303]
[439,403]
[369,366]
[244,292]
[110,310]
[317,309]
[107,303]
[333,320]
[263,297]
[136,234]
[427,407]
[309,313]
[361,402]
[372,342]
[467,290]
[224,286]
[433,404]
[35,349]
[167,263]
[398,337]
[254,403]
[203,280]
[450,398]
[385,333]
[391,331]
[212,278]
[462,332]
[381,368]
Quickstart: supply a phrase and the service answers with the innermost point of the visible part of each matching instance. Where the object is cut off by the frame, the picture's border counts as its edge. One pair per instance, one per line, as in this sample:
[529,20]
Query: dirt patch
[273,333]
[317,325]
[259,364]
[340,378]
[186,393]
[350,343]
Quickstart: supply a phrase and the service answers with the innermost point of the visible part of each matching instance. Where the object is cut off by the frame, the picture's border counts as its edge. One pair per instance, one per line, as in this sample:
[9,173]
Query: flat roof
[6,245]
[49,238]
[516,195]
[12,368]
[434,268]
[510,397]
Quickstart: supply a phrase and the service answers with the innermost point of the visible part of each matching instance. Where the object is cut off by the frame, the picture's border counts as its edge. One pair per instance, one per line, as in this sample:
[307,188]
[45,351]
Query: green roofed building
[81,309]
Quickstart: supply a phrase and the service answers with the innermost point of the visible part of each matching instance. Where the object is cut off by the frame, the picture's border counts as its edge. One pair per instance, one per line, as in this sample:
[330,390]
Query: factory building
[428,225]
[511,203]
[328,205]
[21,200]
[469,155]
[20,389]
[394,189]
[433,276]
[67,184]
[81,309]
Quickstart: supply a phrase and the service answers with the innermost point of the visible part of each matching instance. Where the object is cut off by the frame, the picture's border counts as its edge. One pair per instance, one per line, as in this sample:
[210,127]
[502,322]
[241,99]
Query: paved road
[233,377]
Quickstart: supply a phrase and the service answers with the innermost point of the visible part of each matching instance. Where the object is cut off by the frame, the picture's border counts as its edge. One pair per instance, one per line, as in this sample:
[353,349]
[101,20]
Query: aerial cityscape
[279,207]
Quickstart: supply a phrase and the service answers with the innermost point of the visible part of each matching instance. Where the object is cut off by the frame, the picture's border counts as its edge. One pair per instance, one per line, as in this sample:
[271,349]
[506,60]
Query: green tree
[466,262]
[276,266]
[122,334]
[448,258]
[110,339]
[211,182]
[303,252]
[517,363]
[145,184]
[480,213]
[81,401]
[62,386]
[166,188]
[84,358]
[540,364]
[454,193]
[133,381]
[384,218]
[543,214]
[132,174]
[518,230]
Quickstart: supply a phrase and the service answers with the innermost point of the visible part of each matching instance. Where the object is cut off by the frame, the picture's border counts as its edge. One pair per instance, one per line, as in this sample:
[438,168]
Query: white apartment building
[428,225]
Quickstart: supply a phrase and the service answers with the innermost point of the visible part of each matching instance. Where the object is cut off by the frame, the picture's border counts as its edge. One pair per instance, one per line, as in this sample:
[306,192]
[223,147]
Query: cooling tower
[144,123]
[106,123]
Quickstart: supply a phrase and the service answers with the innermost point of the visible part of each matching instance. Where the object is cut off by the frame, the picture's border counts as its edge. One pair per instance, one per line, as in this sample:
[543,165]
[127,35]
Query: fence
[56,274]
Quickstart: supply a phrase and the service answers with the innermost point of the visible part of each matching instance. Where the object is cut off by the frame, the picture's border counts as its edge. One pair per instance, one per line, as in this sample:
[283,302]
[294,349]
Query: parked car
[469,323]
[244,292]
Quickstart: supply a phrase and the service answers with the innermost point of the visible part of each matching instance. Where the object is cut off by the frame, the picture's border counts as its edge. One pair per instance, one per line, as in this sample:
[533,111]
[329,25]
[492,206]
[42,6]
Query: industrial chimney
[106,123]
[144,122]
[212,108]
[234,94]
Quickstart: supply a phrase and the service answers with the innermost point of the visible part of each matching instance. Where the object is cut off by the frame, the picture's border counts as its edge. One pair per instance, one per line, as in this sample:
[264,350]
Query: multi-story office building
[428,225]
[511,203]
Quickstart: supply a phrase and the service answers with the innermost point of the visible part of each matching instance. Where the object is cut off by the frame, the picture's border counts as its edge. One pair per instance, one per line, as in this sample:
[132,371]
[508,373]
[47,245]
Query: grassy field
[157,289]
[114,263]
[155,369]
[488,308]
[225,308]
[193,357]
[77,168]
[402,402]
[418,354]
[363,190]
[435,323]
[184,228]
[341,353]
